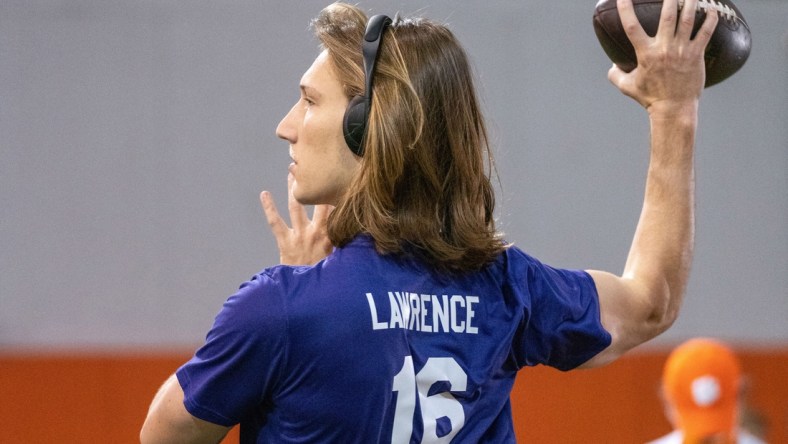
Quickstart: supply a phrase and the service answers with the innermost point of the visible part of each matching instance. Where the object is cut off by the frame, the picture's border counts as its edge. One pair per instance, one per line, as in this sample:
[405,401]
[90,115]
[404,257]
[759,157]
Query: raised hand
[307,241]
[670,64]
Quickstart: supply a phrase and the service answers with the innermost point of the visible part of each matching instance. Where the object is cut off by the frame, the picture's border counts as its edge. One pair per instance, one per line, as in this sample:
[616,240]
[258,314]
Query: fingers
[709,25]
[275,221]
[298,216]
[668,17]
[302,244]
[687,23]
[687,20]
[630,22]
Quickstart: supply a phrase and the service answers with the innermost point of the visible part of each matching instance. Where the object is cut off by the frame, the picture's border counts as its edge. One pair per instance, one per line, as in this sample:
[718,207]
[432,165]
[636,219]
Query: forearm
[661,253]
[644,301]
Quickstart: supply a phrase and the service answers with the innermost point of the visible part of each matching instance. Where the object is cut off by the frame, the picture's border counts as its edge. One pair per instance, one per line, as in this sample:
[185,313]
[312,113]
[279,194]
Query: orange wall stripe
[103,397]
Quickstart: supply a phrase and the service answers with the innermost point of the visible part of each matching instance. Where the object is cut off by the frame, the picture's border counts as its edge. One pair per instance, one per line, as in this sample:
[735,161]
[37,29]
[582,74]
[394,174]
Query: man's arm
[644,301]
[168,420]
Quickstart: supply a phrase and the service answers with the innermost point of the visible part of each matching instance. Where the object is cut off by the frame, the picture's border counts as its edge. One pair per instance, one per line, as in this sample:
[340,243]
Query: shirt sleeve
[236,369]
[561,324]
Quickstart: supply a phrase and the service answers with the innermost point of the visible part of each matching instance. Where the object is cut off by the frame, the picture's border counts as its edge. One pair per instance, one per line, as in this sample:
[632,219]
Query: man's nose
[286,130]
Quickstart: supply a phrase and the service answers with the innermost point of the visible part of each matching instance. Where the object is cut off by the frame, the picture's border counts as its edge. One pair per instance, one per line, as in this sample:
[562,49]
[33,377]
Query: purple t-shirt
[370,348]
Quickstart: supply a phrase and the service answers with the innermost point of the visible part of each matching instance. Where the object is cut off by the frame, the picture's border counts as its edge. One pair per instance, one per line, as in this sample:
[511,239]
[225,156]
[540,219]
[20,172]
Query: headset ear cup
[354,124]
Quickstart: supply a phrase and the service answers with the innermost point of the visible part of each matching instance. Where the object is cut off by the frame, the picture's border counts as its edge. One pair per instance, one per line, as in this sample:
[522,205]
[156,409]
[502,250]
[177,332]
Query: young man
[414,325]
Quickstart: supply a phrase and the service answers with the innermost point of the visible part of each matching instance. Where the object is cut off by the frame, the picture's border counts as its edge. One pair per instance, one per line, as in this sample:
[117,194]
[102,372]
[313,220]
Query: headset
[354,124]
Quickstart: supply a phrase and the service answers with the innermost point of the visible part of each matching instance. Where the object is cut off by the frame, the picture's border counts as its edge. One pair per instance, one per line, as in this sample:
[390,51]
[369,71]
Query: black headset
[354,124]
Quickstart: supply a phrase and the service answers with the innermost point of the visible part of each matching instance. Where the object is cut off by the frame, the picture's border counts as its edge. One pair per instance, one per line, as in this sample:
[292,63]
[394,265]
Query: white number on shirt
[407,384]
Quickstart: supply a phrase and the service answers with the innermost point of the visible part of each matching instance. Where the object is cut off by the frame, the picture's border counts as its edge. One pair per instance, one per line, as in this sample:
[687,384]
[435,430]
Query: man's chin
[305,198]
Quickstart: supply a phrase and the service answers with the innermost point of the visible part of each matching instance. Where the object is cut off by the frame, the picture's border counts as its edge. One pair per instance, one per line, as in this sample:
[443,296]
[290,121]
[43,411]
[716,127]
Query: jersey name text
[426,313]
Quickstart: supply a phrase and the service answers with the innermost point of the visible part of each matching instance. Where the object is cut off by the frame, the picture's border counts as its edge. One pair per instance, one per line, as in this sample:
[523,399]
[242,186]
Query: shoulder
[522,269]
[262,300]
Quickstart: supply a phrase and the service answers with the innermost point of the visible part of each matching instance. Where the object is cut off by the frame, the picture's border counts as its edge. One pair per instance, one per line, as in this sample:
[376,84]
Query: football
[726,52]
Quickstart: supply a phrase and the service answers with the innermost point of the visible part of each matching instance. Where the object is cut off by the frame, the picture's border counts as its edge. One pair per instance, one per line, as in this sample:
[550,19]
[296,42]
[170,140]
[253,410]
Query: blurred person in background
[703,392]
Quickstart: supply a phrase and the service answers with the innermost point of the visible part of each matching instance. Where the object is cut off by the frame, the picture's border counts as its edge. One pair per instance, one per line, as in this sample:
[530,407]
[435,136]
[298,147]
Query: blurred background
[135,137]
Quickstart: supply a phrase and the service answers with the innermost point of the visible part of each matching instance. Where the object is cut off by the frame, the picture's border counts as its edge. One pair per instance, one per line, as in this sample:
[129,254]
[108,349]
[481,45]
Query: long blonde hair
[423,187]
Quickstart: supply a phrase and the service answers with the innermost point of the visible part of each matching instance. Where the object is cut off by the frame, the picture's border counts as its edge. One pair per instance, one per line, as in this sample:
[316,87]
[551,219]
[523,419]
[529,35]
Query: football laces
[722,10]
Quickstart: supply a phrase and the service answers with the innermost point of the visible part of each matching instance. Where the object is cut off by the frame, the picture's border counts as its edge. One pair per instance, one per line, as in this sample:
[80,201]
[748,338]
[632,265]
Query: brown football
[726,52]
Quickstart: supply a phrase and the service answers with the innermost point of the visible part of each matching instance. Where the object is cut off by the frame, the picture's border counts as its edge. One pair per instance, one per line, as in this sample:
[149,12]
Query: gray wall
[135,137]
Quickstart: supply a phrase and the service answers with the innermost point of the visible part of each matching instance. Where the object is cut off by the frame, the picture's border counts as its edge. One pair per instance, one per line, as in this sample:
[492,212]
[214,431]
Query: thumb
[616,75]
[625,82]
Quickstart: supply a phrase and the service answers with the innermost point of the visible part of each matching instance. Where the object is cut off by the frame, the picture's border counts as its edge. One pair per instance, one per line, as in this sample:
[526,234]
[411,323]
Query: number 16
[433,407]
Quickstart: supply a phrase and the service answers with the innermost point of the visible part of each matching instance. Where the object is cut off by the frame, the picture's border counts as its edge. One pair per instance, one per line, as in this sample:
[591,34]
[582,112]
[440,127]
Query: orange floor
[89,398]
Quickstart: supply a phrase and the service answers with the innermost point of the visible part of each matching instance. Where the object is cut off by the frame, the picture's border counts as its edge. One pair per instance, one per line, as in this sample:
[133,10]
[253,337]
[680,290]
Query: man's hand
[307,241]
[670,67]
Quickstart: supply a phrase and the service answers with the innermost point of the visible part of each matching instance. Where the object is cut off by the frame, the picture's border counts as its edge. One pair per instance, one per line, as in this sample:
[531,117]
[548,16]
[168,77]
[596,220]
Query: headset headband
[357,113]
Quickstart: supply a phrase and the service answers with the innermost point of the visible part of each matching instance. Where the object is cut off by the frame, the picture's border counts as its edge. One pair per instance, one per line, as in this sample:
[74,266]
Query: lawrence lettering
[425,312]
